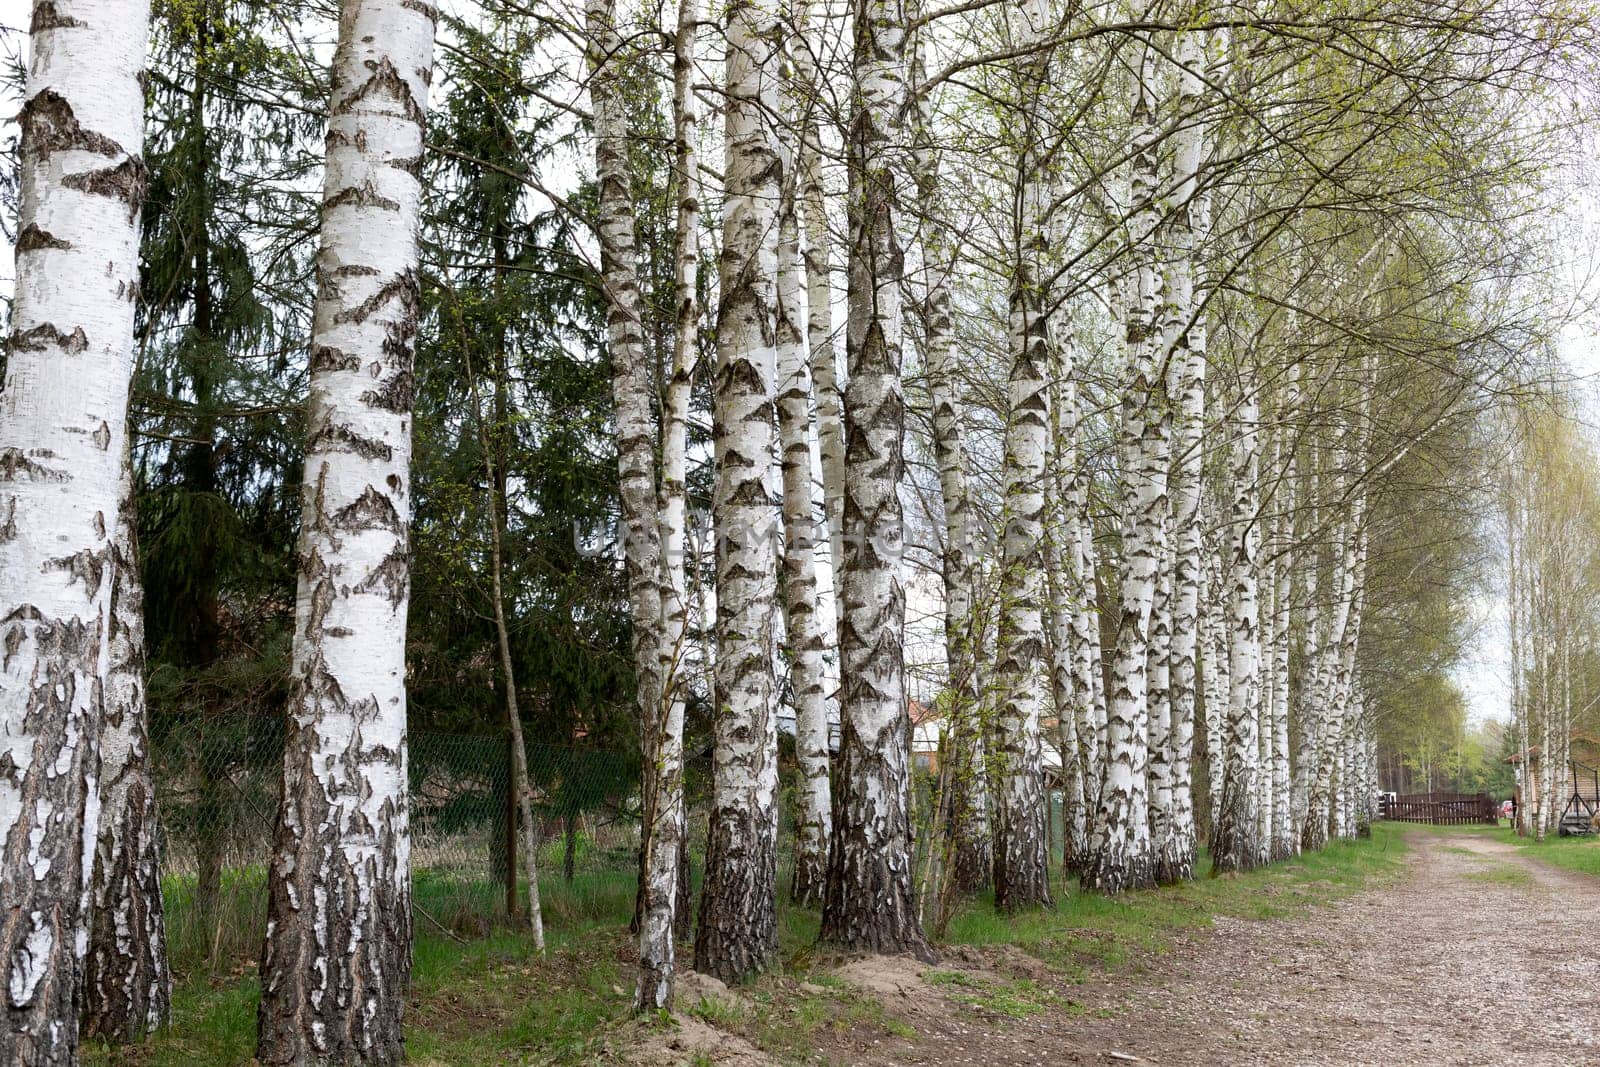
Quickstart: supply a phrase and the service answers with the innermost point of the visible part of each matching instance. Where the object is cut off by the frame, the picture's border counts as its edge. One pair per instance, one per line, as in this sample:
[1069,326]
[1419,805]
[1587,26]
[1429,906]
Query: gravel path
[1477,955]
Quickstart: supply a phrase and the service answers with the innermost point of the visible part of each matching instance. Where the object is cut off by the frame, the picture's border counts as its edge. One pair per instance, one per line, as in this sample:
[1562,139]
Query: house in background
[927,738]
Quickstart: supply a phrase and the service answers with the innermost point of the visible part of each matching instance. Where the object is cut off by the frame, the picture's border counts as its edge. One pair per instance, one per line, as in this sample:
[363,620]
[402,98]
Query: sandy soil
[1477,955]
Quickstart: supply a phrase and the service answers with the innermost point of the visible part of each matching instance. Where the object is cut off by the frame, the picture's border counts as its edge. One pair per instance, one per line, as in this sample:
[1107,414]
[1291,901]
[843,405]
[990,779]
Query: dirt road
[1477,956]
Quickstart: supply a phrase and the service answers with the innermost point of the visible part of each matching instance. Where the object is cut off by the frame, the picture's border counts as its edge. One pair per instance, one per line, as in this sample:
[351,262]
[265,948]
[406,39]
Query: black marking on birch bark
[46,16]
[321,600]
[331,1008]
[126,182]
[336,437]
[87,566]
[8,527]
[42,892]
[49,125]
[325,358]
[363,195]
[411,165]
[371,511]
[32,238]
[395,395]
[126,981]
[392,576]
[385,79]
[102,436]
[48,335]
[428,11]
[15,466]
[403,286]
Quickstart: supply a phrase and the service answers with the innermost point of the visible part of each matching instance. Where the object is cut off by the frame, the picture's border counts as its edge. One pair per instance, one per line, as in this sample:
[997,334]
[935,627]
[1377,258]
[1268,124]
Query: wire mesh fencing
[218,784]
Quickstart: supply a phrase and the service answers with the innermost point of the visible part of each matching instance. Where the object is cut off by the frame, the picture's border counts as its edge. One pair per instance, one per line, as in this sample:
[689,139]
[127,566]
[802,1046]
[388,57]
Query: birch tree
[664,859]
[63,432]
[871,903]
[737,933]
[969,780]
[127,984]
[1022,867]
[1122,857]
[811,21]
[1235,833]
[814,806]
[337,960]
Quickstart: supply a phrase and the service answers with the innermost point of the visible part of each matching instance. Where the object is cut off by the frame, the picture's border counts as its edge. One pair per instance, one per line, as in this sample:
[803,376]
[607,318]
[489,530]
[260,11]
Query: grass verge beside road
[493,1000]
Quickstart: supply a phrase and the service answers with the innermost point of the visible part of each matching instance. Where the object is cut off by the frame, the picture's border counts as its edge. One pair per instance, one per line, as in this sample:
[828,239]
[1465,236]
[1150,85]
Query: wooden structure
[1441,809]
[1583,802]
[1582,786]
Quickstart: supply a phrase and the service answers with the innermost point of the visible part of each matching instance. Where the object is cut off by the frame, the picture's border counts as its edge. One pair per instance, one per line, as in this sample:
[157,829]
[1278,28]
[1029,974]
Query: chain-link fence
[218,782]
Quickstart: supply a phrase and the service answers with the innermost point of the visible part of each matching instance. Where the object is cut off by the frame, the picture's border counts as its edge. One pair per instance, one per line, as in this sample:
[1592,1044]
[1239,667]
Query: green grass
[1581,854]
[1018,999]
[1502,874]
[490,999]
[786,1018]
[1086,932]
[472,1000]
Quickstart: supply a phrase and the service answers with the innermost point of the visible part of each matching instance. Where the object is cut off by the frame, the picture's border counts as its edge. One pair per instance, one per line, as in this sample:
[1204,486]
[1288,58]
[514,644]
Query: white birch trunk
[1266,604]
[736,936]
[337,961]
[1158,770]
[871,902]
[1324,684]
[1285,842]
[1214,642]
[811,20]
[973,859]
[1021,841]
[814,805]
[1175,860]
[1088,688]
[1065,589]
[127,986]
[1308,706]
[63,429]
[1121,849]
[663,859]
[1235,844]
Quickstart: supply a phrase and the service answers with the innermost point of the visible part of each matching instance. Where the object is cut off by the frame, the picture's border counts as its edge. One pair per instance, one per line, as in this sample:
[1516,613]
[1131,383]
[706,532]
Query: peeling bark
[664,904]
[871,901]
[973,857]
[127,986]
[737,933]
[814,802]
[337,961]
[1235,834]
[63,432]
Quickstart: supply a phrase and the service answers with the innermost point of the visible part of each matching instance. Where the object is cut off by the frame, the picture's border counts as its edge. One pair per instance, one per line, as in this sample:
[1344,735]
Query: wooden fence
[1441,809]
